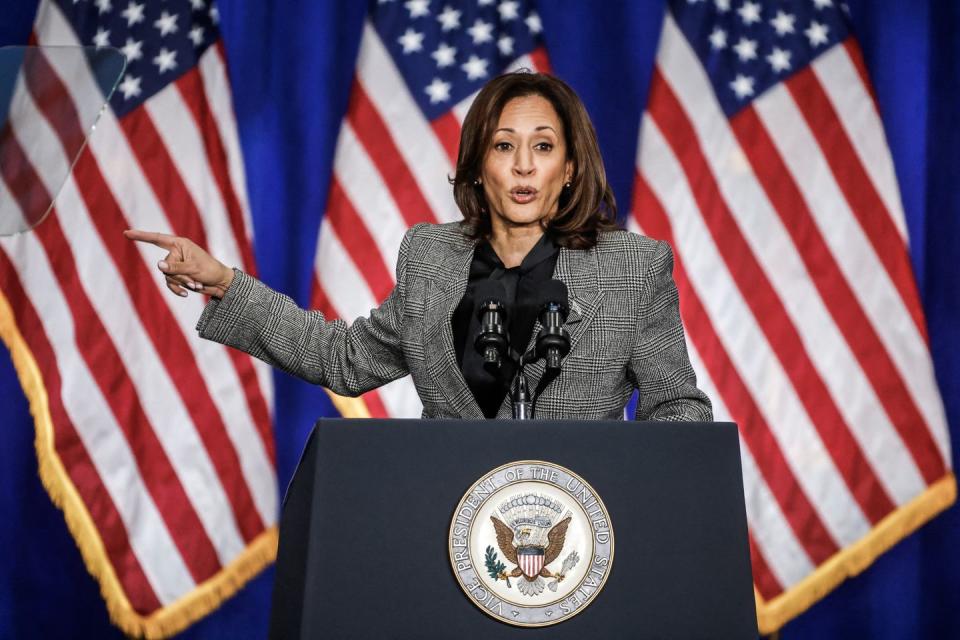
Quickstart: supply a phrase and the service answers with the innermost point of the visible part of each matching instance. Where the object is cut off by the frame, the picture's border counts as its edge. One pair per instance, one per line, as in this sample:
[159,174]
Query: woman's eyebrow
[540,128]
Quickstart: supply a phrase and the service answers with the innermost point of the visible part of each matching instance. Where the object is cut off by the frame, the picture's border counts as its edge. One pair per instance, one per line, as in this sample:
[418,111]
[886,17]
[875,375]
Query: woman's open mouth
[523,195]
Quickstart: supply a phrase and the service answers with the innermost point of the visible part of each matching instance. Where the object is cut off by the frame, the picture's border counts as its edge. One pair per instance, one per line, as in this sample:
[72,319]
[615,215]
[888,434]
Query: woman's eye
[543,146]
[502,146]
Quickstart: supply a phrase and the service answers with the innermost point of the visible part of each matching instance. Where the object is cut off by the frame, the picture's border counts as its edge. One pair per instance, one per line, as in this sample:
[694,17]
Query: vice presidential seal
[531,543]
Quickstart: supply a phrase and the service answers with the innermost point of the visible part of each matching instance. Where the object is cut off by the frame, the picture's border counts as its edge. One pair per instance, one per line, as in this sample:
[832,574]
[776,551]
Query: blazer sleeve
[659,364]
[347,359]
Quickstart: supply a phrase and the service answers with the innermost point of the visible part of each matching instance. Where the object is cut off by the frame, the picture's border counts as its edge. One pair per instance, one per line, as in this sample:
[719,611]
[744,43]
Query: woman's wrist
[225,282]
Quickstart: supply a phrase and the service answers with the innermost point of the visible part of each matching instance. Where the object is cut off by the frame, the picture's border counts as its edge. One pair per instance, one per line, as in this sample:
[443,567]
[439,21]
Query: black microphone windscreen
[487,290]
[553,291]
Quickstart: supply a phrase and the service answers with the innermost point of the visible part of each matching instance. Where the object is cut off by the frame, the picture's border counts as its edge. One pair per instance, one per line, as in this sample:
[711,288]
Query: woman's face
[526,165]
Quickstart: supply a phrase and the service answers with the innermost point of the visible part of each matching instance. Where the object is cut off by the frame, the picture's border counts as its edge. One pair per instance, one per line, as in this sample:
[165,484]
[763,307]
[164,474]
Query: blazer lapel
[441,356]
[578,270]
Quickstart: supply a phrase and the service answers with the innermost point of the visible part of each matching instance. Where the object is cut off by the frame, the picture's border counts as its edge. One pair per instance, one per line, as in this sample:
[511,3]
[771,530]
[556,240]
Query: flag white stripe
[774,250]
[103,440]
[858,114]
[364,187]
[132,192]
[418,144]
[400,398]
[809,461]
[156,391]
[855,256]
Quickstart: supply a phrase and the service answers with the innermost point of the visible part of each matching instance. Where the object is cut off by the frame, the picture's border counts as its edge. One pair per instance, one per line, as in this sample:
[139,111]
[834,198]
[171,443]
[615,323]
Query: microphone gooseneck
[520,396]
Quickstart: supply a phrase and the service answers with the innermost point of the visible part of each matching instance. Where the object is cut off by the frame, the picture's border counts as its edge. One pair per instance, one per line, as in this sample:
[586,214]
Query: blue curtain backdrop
[291,63]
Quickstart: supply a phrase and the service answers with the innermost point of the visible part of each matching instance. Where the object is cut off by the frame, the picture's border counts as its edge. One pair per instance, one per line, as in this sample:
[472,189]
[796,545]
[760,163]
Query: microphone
[553,341]
[492,341]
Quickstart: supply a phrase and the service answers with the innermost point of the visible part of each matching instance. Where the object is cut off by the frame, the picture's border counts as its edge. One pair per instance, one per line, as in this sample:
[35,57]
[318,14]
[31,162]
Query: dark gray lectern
[363,534]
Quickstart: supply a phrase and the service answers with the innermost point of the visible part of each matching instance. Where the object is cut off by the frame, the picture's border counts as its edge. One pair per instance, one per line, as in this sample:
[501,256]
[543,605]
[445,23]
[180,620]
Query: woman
[531,186]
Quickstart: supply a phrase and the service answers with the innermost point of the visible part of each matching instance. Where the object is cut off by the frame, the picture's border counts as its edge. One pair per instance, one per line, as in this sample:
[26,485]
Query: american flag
[157,445]
[420,65]
[763,161]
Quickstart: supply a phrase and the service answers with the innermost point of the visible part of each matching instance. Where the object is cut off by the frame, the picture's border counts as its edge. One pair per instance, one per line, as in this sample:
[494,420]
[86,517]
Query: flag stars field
[166,23]
[445,55]
[418,8]
[133,13]
[746,49]
[817,33]
[742,86]
[783,23]
[718,39]
[166,60]
[411,41]
[449,19]
[779,59]
[481,31]
[749,12]
[475,68]
[102,38]
[132,50]
[438,90]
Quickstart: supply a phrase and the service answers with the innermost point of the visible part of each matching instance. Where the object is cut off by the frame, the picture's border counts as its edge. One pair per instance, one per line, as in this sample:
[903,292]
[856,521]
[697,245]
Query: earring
[566,186]
[476,182]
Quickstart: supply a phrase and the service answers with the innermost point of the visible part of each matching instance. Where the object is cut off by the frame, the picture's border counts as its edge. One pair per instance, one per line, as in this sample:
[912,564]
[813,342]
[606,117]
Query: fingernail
[163,265]
[182,293]
[193,285]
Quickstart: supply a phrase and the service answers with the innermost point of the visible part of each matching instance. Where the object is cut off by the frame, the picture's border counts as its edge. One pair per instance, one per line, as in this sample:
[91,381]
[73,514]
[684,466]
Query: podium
[365,524]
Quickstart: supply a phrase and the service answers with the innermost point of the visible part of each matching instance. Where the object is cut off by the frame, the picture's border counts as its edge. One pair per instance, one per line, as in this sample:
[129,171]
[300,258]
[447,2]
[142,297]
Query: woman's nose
[523,162]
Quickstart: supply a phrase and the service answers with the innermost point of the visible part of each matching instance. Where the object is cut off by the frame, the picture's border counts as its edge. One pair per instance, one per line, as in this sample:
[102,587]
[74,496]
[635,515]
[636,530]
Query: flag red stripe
[793,501]
[375,137]
[192,91]
[541,62]
[106,366]
[825,273]
[190,86]
[766,306]
[357,241]
[857,188]
[447,129]
[763,579]
[375,405]
[72,453]
[154,314]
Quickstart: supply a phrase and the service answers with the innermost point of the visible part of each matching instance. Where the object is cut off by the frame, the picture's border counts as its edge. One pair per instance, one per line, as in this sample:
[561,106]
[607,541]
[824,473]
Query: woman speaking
[532,189]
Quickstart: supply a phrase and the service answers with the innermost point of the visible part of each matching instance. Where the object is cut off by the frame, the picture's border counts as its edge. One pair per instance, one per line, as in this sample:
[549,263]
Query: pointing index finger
[162,240]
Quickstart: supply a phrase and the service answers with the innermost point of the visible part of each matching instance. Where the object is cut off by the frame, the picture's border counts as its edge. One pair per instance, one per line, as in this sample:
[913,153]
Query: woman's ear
[568,171]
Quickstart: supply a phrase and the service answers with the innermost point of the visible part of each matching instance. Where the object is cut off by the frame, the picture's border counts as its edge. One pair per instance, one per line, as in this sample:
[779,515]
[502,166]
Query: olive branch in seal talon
[495,568]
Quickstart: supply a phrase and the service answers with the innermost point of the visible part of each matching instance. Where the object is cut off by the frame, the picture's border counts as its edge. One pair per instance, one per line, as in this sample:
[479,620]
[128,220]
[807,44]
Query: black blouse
[490,385]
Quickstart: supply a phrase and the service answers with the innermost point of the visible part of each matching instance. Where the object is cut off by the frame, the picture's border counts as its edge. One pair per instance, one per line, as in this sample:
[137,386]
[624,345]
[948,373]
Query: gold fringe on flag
[168,620]
[852,560]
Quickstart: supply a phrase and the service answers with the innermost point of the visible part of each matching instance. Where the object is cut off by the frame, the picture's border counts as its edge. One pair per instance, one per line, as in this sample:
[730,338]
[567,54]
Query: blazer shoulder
[623,241]
[427,236]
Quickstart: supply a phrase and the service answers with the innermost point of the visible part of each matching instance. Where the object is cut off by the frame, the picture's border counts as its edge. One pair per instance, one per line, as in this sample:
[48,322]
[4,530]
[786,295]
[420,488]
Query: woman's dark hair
[585,209]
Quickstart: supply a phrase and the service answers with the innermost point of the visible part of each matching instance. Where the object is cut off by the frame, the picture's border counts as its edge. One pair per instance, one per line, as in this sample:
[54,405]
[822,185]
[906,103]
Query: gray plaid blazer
[624,325]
